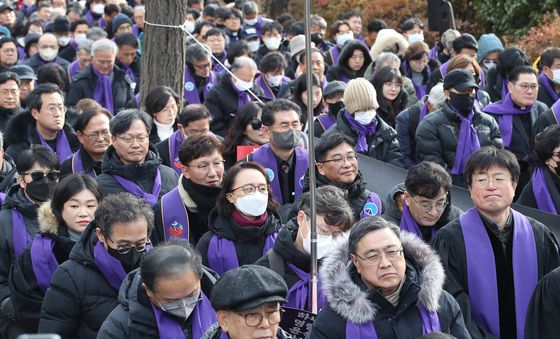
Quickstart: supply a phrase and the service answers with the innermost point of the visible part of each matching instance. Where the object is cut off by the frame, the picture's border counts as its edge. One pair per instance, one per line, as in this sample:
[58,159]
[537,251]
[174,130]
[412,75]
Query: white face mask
[556,76]
[415,37]
[253,205]
[98,9]
[63,41]
[272,43]
[489,64]
[274,80]
[190,25]
[48,54]
[324,242]
[365,118]
[243,85]
[251,22]
[254,45]
[80,36]
[341,39]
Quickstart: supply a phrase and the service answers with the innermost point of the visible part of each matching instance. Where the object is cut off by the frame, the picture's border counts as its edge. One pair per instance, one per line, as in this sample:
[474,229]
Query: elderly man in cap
[333,94]
[27,82]
[247,303]
[451,134]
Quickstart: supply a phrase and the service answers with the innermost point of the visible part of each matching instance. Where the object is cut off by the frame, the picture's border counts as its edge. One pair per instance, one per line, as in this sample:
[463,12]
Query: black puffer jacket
[383,145]
[341,71]
[5,115]
[438,133]
[142,174]
[87,162]
[79,298]
[8,174]
[544,120]
[543,95]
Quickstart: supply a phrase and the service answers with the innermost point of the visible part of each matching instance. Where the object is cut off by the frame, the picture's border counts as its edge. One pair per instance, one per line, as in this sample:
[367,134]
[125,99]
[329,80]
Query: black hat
[247,287]
[333,87]
[60,25]
[459,79]
[118,20]
[249,33]
[24,72]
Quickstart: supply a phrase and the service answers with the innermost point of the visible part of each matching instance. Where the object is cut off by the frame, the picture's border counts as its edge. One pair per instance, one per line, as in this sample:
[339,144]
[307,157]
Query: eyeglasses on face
[374,257]
[255,319]
[339,160]
[127,139]
[427,205]
[124,249]
[251,189]
[103,134]
[484,181]
[205,167]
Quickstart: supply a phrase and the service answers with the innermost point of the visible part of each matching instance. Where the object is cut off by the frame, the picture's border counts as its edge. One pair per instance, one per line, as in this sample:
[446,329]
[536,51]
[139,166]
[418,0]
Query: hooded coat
[350,299]
[341,71]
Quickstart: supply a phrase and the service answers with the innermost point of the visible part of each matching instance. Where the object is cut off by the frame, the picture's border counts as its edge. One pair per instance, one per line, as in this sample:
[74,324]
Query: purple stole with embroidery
[203,316]
[335,54]
[326,120]
[299,295]
[20,238]
[133,188]
[63,150]
[548,87]
[174,217]
[191,91]
[43,260]
[541,192]
[410,225]
[78,166]
[222,255]
[481,270]
[175,141]
[265,157]
[372,206]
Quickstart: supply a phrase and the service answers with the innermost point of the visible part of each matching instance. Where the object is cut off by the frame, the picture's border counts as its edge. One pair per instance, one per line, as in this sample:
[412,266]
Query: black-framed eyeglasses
[38,175]
[256,318]
[339,160]
[137,247]
[256,124]
[427,206]
[392,254]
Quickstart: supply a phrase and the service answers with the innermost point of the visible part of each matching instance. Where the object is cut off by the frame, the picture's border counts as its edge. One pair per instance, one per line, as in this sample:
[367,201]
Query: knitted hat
[360,95]
[118,20]
[60,25]
[488,43]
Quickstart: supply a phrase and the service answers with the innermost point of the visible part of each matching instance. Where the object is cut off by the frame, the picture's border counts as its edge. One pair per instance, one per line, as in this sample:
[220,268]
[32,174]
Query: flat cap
[333,87]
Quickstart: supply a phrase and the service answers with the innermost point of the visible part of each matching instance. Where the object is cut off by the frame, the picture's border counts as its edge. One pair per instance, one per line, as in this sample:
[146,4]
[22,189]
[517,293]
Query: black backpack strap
[276,262]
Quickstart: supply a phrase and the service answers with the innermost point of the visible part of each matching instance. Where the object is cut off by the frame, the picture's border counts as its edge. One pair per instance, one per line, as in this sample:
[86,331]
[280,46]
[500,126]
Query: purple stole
[103,93]
[363,131]
[73,68]
[78,167]
[410,225]
[326,121]
[242,96]
[372,206]
[443,69]
[555,108]
[43,260]
[89,18]
[2,197]
[110,267]
[134,189]
[175,141]
[433,53]
[467,142]
[505,89]
[262,83]
[135,30]
[217,67]
[548,87]
[20,237]
[265,157]
[190,89]
[63,150]
[222,256]
[299,295]
[506,111]
[102,23]
[335,54]
[128,71]
[21,54]
[203,317]
[324,82]
[423,112]
[481,270]
[541,192]
[174,217]
[430,323]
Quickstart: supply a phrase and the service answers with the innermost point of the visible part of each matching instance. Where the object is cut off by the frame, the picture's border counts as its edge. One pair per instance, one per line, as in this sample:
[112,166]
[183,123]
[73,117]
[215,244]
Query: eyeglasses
[103,134]
[126,248]
[218,40]
[392,85]
[256,124]
[104,62]
[205,66]
[255,319]
[251,189]
[392,254]
[498,181]
[526,87]
[129,140]
[52,109]
[427,205]
[340,160]
[204,167]
[38,175]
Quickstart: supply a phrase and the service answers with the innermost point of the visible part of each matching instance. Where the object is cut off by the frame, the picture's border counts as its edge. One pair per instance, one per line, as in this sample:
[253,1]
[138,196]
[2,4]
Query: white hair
[104,45]
[139,8]
[436,97]
[243,62]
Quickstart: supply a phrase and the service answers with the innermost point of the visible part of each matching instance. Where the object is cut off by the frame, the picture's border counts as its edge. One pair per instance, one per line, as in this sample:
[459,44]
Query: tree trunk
[163,49]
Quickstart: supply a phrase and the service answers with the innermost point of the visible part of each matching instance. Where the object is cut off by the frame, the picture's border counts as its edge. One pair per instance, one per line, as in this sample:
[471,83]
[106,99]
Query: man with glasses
[282,158]
[183,212]
[131,164]
[247,303]
[199,77]
[44,123]
[383,283]
[102,81]
[423,207]
[215,38]
[516,115]
[493,255]
[84,289]
[48,52]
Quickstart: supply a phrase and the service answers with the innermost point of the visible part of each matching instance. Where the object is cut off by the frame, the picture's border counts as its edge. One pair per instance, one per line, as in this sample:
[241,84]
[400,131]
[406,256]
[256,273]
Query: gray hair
[366,226]
[318,21]
[104,45]
[196,52]
[332,203]
[243,62]
[122,208]
[250,7]
[436,97]
[96,33]
[122,121]
[385,59]
[139,8]
[85,44]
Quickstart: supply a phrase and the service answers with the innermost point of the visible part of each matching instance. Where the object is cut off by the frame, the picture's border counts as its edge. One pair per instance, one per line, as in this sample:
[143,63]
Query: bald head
[245,69]
[48,40]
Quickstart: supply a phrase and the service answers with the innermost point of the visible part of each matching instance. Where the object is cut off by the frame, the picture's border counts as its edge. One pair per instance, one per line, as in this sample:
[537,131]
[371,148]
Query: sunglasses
[256,124]
[38,176]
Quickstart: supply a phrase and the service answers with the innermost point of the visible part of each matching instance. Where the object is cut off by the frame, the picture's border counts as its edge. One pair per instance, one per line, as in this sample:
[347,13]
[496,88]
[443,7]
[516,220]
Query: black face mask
[129,261]
[335,108]
[41,190]
[317,38]
[463,103]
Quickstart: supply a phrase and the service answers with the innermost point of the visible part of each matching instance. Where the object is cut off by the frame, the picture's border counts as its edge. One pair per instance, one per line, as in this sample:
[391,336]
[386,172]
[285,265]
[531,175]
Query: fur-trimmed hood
[351,302]
[47,220]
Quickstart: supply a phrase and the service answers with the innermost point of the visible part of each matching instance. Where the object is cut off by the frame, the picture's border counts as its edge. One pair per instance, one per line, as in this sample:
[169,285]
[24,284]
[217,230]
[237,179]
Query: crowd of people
[187,214]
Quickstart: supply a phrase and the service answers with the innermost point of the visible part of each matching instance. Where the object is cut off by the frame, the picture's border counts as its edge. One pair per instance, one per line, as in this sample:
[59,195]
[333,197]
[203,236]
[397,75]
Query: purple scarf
[43,260]
[133,188]
[242,96]
[299,295]
[128,71]
[222,255]
[103,93]
[335,54]
[430,323]
[263,84]
[217,67]
[78,166]
[110,267]
[423,112]
[506,110]
[63,150]
[89,18]
[548,87]
[203,317]
[443,69]
[433,53]
[20,237]
[540,190]
[505,89]
[363,131]
[73,68]
[326,121]
[467,142]
[410,225]
[175,141]
[481,270]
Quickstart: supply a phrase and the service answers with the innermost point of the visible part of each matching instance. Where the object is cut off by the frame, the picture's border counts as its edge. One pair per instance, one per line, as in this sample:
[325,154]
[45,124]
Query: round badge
[270,174]
[370,209]
[189,86]
[301,181]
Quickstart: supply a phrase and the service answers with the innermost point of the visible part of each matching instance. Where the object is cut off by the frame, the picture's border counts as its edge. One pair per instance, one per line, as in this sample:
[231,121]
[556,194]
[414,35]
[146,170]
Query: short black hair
[34,100]
[330,141]
[53,73]
[336,26]
[85,117]
[69,187]
[271,25]
[122,208]
[124,120]
[193,112]
[37,154]
[279,105]
[332,203]
[7,76]
[427,179]
[513,76]
[215,31]
[74,24]
[366,226]
[409,24]
[126,39]
[158,97]
[272,62]
[489,156]
[296,28]
[549,55]
[375,25]
[236,49]
[6,39]
[545,143]
[198,146]
[463,41]
[509,59]
[111,9]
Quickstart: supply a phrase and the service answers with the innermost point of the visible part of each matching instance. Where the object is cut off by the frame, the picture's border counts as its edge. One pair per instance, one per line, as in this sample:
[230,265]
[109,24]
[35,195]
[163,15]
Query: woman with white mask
[244,224]
[291,254]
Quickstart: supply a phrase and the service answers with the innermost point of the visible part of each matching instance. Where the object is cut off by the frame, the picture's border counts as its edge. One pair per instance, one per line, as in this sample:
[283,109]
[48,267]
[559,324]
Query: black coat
[84,83]
[87,162]
[383,145]
[142,174]
[544,120]
[35,62]
[543,318]
[543,95]
[221,101]
[406,124]
[5,115]
[8,174]
[20,135]
[340,71]
[438,133]
[527,197]
[494,81]
[79,298]
[450,244]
